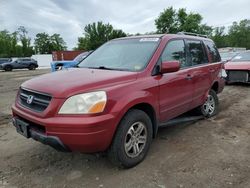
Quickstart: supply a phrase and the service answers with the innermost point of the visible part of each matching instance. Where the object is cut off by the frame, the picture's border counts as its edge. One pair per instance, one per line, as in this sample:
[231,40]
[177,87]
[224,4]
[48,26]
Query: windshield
[81,56]
[228,55]
[125,54]
[244,56]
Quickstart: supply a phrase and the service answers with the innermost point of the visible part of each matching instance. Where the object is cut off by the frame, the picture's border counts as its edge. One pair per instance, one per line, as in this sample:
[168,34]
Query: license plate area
[22,128]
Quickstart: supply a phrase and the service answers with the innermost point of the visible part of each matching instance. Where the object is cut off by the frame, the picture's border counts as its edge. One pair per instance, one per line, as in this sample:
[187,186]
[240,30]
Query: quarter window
[196,52]
[213,52]
[175,51]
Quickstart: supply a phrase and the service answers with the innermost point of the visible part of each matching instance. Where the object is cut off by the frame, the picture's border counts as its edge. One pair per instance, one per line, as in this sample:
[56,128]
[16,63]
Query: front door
[176,88]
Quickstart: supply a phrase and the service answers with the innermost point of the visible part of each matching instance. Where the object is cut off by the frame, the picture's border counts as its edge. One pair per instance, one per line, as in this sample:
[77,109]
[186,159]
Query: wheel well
[215,87]
[149,110]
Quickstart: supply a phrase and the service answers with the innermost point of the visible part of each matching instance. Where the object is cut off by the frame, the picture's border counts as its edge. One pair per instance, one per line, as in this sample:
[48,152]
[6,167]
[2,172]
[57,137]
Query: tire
[8,68]
[32,67]
[134,125]
[211,106]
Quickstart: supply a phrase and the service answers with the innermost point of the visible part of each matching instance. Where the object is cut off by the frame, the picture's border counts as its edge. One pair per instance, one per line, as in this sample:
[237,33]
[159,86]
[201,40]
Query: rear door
[176,88]
[214,58]
[26,62]
[200,71]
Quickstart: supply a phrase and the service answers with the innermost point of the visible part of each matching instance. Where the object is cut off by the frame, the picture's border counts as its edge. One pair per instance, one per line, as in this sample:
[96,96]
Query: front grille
[34,100]
[238,76]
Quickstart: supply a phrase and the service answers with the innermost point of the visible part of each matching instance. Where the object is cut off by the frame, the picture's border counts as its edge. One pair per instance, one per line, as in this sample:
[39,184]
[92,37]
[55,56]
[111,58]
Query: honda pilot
[118,97]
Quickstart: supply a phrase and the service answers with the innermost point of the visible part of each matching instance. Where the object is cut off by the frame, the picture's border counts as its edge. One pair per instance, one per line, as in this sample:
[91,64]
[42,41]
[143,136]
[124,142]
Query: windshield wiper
[108,68]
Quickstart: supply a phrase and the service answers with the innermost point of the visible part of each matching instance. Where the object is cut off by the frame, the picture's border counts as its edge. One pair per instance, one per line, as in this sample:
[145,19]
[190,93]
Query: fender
[135,98]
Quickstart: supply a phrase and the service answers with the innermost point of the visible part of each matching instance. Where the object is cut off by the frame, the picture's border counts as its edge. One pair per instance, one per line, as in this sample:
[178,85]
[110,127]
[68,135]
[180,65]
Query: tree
[166,22]
[9,44]
[220,37]
[173,21]
[96,34]
[57,42]
[45,44]
[239,34]
[27,49]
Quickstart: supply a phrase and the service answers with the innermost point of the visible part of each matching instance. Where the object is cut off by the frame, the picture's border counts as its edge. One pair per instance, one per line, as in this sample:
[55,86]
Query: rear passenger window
[175,51]
[197,53]
[213,52]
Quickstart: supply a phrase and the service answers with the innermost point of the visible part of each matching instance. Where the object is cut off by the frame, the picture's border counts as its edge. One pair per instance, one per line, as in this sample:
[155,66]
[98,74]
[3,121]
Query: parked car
[238,69]
[20,63]
[120,95]
[60,65]
[5,60]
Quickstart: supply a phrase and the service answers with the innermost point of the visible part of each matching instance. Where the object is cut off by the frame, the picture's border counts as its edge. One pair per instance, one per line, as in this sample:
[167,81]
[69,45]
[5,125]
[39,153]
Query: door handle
[211,70]
[189,77]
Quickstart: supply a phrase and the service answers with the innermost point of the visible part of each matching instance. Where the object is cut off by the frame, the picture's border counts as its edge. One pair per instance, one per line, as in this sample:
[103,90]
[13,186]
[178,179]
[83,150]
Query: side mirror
[170,66]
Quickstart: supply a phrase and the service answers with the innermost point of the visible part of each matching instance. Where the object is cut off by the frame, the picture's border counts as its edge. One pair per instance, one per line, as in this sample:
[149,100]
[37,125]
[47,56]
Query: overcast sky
[68,17]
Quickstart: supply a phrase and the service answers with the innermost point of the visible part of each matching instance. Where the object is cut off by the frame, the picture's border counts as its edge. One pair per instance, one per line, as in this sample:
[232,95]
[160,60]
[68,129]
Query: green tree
[96,34]
[45,44]
[239,34]
[173,21]
[42,43]
[57,42]
[166,22]
[220,37]
[27,49]
[9,44]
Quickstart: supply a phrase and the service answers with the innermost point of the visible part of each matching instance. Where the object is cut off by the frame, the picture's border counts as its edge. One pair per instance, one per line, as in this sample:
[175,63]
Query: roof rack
[192,34]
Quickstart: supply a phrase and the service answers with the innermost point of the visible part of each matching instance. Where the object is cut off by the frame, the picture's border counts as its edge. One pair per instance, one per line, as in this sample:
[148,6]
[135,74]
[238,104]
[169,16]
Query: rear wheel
[8,68]
[32,67]
[132,139]
[211,105]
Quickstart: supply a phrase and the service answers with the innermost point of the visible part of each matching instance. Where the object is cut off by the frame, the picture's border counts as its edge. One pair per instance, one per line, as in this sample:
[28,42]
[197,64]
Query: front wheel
[211,105]
[132,139]
[8,68]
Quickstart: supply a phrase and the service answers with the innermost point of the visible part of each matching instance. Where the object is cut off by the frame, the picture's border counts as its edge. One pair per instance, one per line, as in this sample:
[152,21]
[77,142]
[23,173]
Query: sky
[68,17]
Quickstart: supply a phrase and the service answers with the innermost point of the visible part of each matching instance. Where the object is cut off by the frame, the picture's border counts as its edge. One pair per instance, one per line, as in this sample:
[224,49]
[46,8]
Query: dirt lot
[208,153]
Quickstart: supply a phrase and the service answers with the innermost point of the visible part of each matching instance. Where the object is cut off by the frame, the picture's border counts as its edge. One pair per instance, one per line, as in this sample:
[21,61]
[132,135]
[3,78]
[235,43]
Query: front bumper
[22,128]
[75,133]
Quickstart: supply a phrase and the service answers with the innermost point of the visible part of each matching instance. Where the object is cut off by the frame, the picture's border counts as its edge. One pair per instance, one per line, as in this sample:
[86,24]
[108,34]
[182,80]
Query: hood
[240,65]
[63,84]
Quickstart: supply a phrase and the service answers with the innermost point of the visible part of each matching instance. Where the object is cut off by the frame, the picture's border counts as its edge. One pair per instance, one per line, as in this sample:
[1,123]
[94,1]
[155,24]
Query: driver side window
[175,51]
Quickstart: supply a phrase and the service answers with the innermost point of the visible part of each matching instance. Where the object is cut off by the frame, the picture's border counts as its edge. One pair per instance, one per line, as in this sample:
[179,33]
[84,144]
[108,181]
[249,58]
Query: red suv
[118,97]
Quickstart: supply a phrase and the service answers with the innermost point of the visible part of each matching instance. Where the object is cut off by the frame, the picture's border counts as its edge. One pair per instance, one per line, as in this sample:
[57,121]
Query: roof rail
[192,34]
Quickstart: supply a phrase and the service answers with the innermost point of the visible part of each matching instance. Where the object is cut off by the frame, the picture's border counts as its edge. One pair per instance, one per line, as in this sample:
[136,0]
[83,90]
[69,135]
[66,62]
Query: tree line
[18,43]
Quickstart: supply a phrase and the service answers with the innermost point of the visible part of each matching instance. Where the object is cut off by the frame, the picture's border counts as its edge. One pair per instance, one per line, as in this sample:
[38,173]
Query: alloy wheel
[135,139]
[209,105]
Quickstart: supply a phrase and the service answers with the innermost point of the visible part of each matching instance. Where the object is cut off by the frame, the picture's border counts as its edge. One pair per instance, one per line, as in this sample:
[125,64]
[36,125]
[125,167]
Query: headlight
[222,73]
[87,103]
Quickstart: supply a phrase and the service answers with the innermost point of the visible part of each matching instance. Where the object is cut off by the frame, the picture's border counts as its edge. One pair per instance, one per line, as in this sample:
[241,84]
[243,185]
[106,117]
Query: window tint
[196,52]
[213,52]
[175,51]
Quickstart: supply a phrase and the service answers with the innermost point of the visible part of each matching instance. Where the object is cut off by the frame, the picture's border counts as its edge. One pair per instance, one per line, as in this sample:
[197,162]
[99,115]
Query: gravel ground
[208,153]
